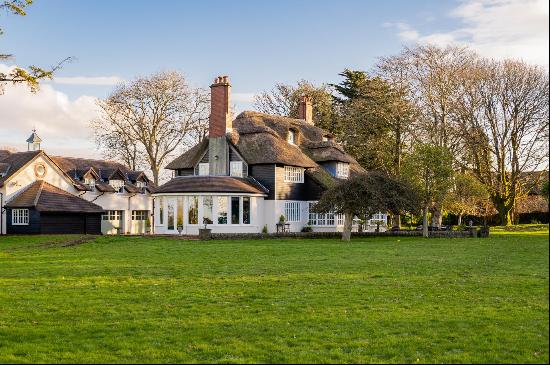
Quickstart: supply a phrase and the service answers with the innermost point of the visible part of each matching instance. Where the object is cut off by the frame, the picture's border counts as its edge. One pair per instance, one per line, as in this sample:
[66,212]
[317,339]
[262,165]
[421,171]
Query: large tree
[503,111]
[367,194]
[432,77]
[467,196]
[429,170]
[151,118]
[18,75]
[284,99]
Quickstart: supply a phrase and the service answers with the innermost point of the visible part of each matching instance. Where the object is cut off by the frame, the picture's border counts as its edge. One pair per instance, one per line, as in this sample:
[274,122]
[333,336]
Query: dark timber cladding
[265,174]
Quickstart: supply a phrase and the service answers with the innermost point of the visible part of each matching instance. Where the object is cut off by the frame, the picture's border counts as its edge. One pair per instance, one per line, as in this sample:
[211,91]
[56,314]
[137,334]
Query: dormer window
[141,186]
[342,170]
[291,136]
[90,182]
[118,185]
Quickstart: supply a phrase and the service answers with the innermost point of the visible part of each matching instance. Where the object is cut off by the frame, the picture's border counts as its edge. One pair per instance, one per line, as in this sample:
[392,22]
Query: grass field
[132,299]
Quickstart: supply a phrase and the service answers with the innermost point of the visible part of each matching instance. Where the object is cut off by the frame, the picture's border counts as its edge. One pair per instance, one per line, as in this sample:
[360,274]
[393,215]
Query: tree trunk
[437,215]
[425,222]
[348,222]
[396,221]
[504,208]
[460,219]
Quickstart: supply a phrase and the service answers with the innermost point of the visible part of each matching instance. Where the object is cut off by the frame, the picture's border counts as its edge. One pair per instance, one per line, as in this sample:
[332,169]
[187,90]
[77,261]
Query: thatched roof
[48,198]
[262,139]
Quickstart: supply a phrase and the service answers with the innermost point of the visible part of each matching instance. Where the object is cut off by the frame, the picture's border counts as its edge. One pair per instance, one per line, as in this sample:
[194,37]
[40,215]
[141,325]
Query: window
[170,210]
[292,211]
[246,210]
[179,218]
[90,182]
[140,215]
[342,170]
[141,186]
[235,209]
[294,174]
[118,185]
[236,168]
[207,204]
[193,212]
[161,211]
[20,217]
[323,219]
[222,210]
[291,137]
[112,215]
[204,169]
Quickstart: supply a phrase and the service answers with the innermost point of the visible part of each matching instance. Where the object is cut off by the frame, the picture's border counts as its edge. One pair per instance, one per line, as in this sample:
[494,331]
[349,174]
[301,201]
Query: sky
[256,43]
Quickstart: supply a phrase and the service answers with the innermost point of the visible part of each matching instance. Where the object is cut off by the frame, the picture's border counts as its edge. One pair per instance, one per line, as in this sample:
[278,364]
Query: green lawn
[132,299]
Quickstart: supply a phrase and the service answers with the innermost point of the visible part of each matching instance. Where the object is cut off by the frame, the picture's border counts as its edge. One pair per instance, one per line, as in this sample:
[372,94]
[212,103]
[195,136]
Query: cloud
[85,80]
[63,124]
[494,28]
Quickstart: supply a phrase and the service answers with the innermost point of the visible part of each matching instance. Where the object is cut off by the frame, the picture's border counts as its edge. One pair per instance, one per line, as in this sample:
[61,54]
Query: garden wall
[435,234]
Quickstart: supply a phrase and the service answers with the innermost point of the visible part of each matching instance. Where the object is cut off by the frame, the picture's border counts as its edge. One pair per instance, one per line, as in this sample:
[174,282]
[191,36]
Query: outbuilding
[46,209]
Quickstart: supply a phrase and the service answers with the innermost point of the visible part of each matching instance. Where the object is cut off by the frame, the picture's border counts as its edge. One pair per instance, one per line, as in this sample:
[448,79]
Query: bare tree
[430,77]
[152,118]
[504,115]
[284,100]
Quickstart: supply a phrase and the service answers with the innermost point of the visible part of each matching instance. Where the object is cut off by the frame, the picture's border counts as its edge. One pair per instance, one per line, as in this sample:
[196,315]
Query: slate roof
[48,198]
[13,162]
[204,184]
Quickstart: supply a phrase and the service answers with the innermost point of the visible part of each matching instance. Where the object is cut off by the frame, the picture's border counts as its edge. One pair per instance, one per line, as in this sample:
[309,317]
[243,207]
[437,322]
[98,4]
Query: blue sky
[257,43]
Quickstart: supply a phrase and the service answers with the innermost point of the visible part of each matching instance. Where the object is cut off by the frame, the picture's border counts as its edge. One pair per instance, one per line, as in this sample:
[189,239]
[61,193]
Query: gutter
[94,199]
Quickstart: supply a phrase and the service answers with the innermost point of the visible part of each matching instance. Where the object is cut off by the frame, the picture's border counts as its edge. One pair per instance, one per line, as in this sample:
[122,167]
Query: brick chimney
[219,124]
[305,109]
[220,117]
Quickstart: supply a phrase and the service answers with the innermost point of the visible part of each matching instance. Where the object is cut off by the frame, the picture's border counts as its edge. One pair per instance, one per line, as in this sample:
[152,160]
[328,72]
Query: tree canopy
[367,194]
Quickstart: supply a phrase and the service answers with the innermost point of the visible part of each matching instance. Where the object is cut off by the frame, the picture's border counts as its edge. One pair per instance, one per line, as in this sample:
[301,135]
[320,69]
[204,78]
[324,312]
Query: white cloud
[84,80]
[63,124]
[494,28]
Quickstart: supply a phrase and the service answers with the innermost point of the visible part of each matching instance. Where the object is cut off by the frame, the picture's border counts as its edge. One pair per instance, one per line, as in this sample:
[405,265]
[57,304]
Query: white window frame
[329,219]
[140,215]
[236,168]
[118,185]
[20,217]
[294,174]
[342,170]
[112,215]
[292,211]
[90,182]
[204,169]
[291,137]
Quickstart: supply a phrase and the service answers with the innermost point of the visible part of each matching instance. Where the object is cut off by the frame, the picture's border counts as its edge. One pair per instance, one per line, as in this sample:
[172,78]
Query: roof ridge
[37,197]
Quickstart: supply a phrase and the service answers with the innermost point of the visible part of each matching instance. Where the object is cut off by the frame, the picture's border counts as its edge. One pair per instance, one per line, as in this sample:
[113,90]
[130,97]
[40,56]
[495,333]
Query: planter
[205,234]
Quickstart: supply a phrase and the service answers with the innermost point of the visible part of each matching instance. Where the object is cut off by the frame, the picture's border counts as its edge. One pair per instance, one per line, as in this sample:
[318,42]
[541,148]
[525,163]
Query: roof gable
[48,198]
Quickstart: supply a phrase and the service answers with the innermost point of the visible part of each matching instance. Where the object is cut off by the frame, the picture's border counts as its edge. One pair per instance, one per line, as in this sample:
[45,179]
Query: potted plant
[148,225]
[205,233]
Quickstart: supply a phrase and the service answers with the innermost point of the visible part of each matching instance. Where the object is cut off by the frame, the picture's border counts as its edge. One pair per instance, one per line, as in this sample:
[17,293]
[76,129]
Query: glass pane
[170,214]
[235,209]
[246,210]
[161,211]
[222,210]
[193,210]
[180,212]
[207,203]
